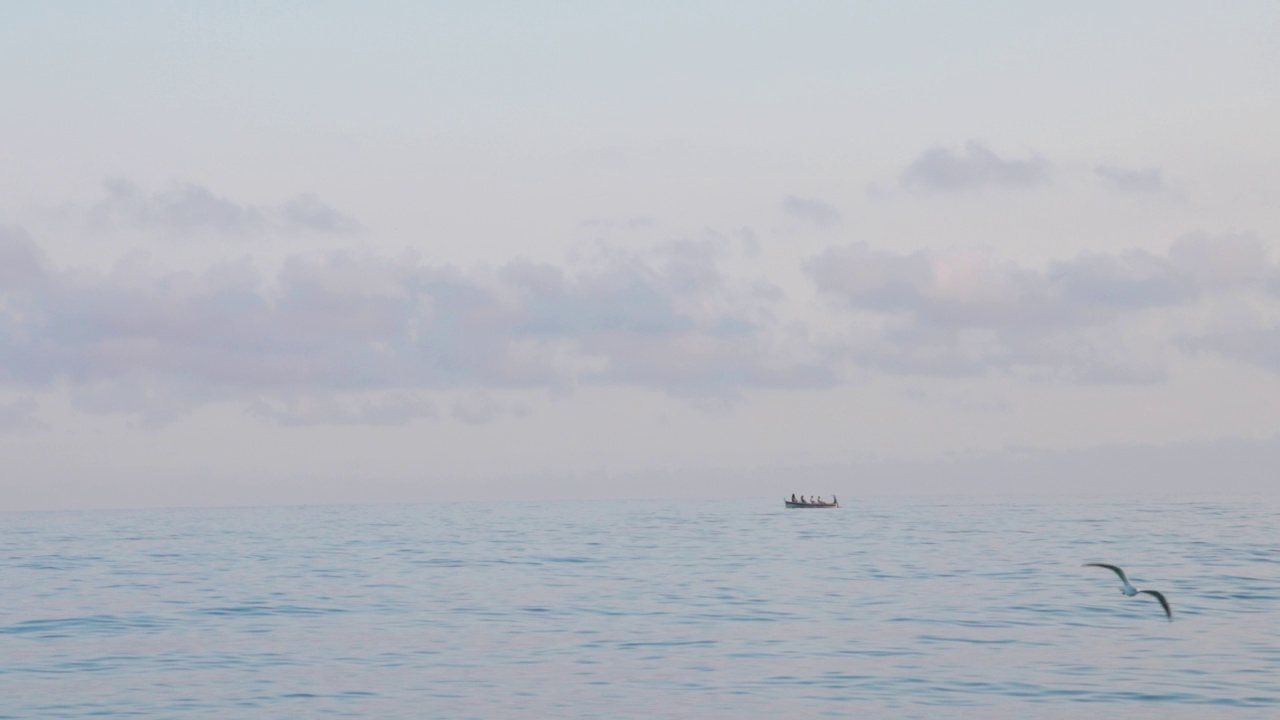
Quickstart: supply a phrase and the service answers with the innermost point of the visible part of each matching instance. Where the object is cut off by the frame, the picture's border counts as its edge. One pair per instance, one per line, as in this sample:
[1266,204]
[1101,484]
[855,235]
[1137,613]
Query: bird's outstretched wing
[1112,568]
[1163,603]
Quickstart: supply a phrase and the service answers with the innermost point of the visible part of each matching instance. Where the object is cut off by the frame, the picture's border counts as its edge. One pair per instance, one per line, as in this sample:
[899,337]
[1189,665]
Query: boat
[833,504]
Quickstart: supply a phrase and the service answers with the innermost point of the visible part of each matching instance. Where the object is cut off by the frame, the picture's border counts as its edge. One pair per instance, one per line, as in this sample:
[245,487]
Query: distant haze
[410,252]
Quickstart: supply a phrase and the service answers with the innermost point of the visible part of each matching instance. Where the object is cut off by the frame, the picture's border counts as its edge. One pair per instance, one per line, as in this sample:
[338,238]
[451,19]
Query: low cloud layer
[358,338]
[943,170]
[324,409]
[188,209]
[139,342]
[19,415]
[1099,318]
[478,408]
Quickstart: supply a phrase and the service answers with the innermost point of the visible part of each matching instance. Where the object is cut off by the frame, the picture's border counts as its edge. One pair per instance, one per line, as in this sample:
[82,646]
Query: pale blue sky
[303,252]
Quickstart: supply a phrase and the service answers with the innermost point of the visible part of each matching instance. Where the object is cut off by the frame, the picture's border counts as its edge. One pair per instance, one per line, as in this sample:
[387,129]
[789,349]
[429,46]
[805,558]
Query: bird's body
[1128,590]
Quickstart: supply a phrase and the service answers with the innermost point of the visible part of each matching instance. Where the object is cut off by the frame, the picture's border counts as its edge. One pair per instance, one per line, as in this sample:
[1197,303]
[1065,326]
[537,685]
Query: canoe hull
[811,505]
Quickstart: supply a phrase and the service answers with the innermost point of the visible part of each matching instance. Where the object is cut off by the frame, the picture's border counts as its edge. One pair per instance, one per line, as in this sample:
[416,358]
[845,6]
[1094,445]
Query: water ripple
[934,608]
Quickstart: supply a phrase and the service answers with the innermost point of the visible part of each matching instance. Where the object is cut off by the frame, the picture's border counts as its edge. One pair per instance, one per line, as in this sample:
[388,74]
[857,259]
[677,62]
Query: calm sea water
[886,608]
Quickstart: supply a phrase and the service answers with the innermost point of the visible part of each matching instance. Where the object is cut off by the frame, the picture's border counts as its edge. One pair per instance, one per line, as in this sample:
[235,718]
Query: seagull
[1129,590]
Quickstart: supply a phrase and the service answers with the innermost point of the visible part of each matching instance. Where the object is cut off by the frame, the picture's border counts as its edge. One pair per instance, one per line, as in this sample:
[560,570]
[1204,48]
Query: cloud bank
[392,409]
[19,415]
[1095,318]
[358,338]
[134,341]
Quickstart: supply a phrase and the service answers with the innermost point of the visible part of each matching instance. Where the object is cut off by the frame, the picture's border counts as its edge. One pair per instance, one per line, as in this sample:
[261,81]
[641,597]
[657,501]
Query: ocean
[885,608]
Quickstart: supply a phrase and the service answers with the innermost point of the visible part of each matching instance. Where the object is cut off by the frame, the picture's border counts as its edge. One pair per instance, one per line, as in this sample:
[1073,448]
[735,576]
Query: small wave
[267,610]
[89,624]
[665,643]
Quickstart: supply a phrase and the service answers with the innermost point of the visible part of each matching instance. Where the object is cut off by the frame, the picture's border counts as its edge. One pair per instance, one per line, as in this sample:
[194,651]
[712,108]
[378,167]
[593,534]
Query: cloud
[1257,345]
[477,408]
[360,338]
[23,265]
[154,400]
[814,212]
[1144,180]
[306,212]
[975,289]
[154,345]
[187,209]
[1213,261]
[665,319]
[394,409]
[1085,319]
[942,170]
[20,415]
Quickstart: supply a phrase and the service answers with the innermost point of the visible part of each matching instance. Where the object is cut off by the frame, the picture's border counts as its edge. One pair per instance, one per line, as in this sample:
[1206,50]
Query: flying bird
[1129,590]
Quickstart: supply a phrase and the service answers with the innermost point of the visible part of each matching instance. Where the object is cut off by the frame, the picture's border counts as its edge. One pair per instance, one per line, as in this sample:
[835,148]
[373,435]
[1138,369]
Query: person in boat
[793,497]
[834,501]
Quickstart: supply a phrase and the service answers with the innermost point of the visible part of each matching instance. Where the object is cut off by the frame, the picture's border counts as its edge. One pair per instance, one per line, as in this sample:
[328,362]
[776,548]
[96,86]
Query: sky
[259,253]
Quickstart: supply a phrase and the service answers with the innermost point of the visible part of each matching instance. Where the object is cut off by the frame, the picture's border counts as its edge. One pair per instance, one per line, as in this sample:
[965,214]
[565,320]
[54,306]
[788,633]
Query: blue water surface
[891,608]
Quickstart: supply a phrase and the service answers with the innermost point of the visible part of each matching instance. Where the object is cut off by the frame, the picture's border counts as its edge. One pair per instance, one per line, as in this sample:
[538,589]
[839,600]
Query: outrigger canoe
[810,504]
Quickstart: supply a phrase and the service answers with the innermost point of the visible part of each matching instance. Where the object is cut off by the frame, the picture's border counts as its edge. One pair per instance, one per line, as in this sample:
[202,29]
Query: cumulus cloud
[975,289]
[940,169]
[1141,180]
[189,209]
[155,344]
[969,313]
[359,338]
[813,212]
